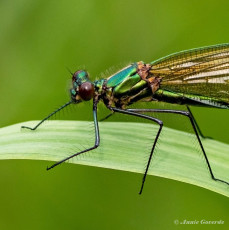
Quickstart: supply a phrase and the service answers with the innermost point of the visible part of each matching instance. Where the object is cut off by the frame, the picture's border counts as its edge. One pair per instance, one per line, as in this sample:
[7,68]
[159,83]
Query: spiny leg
[159,122]
[196,124]
[97,139]
[46,118]
[184,113]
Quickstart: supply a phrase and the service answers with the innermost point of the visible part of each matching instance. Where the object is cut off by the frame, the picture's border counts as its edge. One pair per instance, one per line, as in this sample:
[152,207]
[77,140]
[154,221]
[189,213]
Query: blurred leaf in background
[38,40]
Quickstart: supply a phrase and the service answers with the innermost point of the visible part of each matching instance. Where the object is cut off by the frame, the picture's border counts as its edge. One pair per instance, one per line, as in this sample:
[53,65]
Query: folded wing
[200,74]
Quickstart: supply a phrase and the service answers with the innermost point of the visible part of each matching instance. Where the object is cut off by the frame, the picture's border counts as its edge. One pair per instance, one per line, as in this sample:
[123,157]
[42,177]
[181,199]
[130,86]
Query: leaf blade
[120,149]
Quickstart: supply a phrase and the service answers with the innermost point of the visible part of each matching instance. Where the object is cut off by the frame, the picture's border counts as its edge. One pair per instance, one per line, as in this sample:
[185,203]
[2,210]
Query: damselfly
[192,77]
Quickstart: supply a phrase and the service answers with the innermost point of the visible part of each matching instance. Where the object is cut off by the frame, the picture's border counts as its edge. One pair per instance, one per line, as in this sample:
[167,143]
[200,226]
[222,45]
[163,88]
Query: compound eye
[86,91]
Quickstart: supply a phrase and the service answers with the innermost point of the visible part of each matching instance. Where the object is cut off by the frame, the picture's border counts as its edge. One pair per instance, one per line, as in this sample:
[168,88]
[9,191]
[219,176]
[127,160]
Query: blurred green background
[38,40]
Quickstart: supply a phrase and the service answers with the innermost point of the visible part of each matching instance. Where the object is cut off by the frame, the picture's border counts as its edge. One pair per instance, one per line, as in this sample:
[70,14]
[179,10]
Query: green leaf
[124,146]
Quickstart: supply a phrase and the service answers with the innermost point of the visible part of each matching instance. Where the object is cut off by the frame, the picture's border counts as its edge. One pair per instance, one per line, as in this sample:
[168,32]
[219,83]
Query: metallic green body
[123,87]
[193,77]
[120,76]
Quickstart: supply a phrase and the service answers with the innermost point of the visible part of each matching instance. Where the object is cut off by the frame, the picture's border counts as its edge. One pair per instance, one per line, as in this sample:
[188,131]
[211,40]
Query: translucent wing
[196,74]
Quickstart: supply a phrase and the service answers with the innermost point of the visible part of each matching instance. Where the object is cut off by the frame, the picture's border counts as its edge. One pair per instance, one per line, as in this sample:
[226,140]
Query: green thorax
[124,87]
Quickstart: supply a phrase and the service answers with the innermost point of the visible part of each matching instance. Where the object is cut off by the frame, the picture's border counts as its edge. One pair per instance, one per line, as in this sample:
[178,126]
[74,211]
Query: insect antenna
[69,71]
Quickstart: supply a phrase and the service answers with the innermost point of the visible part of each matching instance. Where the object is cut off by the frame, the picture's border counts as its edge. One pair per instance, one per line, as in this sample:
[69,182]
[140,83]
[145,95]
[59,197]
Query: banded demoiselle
[191,77]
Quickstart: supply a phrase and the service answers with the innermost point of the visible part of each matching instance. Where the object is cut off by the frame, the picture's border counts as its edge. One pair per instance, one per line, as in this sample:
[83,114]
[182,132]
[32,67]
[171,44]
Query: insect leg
[184,113]
[97,139]
[46,118]
[159,122]
[108,116]
[196,124]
